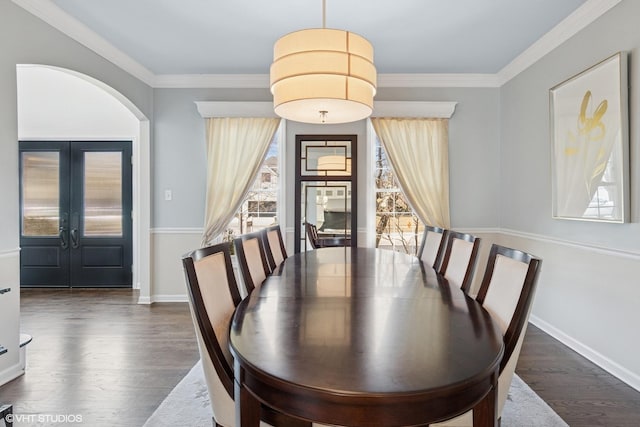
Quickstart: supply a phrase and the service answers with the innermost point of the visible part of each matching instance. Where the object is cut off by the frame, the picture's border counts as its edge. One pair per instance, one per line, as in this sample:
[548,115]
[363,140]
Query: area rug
[188,405]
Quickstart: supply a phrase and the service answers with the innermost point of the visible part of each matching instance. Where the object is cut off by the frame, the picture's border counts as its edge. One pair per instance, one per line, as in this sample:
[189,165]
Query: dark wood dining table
[363,337]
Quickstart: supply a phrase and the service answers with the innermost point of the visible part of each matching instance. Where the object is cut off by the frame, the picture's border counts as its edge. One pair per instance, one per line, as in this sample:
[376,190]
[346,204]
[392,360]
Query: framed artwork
[590,144]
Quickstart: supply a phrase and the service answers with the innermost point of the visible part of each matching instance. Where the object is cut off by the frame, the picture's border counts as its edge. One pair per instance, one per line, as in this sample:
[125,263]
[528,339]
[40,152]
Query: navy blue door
[75,213]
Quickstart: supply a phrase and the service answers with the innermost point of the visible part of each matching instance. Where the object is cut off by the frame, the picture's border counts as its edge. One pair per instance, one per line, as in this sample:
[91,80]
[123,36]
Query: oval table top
[362,323]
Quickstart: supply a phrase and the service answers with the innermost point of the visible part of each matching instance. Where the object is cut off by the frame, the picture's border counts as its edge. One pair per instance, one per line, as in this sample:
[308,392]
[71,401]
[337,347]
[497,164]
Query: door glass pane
[102,194]
[327,205]
[40,193]
[325,158]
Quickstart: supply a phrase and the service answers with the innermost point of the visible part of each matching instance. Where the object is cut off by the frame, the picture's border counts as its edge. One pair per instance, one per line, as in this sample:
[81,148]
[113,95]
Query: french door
[326,188]
[75,213]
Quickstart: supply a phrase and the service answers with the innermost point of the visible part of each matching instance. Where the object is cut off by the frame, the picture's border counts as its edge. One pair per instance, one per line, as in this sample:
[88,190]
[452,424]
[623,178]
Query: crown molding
[567,28]
[62,21]
[193,81]
[57,18]
[437,80]
[261,81]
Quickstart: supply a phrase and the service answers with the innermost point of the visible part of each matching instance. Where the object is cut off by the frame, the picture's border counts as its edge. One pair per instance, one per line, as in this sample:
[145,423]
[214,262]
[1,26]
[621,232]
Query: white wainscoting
[587,296]
[10,315]
[167,276]
[169,245]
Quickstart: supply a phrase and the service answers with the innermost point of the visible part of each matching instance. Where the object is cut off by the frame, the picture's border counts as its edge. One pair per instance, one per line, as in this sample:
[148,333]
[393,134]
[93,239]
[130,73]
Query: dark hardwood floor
[582,393]
[98,354]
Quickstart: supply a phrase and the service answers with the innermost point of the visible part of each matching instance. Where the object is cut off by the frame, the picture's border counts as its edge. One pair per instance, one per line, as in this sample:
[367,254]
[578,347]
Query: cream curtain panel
[236,148]
[419,155]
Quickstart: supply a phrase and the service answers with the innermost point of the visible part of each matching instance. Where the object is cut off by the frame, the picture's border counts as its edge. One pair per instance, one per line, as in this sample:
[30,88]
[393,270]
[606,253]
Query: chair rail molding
[177,230]
[634,255]
[5,253]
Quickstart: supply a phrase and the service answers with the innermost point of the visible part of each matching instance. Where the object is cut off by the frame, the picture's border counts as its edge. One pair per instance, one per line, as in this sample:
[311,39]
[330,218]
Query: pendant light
[323,75]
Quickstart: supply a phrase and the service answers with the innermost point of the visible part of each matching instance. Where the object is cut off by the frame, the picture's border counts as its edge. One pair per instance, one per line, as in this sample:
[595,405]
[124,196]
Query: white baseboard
[11,373]
[144,300]
[604,362]
[170,298]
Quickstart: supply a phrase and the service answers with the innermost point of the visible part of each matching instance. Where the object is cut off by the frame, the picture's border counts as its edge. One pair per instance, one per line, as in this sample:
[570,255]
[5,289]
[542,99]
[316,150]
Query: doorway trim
[141,185]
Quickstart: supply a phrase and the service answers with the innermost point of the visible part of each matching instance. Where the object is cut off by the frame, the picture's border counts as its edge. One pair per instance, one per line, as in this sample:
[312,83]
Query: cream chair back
[504,289]
[274,245]
[506,292]
[460,259]
[431,250]
[213,296]
[252,261]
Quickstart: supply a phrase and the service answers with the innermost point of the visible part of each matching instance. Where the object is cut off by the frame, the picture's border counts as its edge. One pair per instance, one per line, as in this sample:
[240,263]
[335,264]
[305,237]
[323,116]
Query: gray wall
[25,39]
[499,165]
[474,148]
[526,155]
[179,151]
[588,290]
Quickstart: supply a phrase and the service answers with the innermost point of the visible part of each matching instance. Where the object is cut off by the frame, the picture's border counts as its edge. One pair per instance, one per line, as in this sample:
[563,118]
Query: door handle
[74,238]
[75,223]
[63,238]
[64,219]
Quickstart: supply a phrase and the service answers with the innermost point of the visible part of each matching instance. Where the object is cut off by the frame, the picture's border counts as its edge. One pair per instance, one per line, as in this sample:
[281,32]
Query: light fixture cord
[324,13]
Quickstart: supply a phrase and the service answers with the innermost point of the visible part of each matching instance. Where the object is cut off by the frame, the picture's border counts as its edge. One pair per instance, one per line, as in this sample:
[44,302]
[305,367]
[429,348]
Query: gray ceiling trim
[572,24]
[56,17]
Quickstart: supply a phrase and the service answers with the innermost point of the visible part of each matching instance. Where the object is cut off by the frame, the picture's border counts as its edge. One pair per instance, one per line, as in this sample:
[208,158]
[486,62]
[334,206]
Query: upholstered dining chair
[213,297]
[434,241]
[506,292]
[252,260]
[274,246]
[459,259]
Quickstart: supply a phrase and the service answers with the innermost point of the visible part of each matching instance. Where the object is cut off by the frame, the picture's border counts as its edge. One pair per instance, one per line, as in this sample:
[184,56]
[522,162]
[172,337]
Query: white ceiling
[193,37]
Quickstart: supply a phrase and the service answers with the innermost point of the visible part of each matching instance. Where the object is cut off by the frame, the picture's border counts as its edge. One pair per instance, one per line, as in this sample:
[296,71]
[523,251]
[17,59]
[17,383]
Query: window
[260,206]
[603,204]
[396,225]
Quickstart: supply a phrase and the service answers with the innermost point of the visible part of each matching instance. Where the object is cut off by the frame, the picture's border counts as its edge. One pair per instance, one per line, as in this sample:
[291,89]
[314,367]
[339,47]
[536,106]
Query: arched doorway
[60,104]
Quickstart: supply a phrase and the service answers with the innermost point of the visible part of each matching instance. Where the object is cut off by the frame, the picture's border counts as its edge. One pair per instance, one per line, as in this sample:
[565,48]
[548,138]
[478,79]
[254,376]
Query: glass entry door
[75,214]
[326,190]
